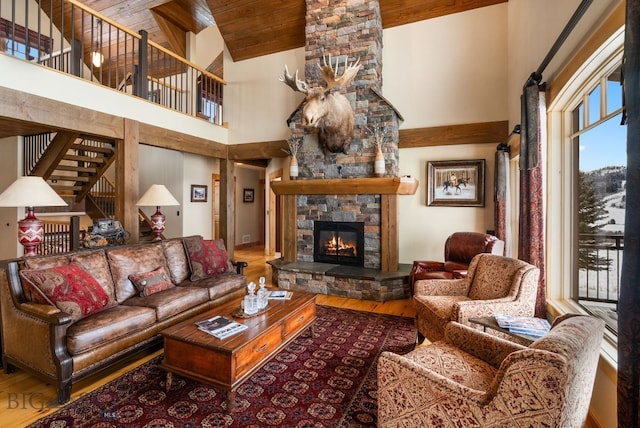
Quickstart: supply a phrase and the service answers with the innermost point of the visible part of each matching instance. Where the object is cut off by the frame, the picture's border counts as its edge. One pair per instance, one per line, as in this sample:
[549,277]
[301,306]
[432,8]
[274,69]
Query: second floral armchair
[495,284]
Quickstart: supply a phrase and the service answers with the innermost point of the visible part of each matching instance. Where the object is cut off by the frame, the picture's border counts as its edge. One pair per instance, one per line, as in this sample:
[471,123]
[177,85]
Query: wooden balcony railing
[70,37]
[601,284]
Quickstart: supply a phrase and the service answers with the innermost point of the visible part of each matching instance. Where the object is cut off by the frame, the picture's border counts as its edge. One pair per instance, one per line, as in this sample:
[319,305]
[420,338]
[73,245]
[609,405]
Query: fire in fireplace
[338,242]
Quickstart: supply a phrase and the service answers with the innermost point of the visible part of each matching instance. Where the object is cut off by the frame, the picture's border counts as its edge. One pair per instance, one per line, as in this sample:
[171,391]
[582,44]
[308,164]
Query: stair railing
[33,147]
[60,236]
[103,195]
[84,43]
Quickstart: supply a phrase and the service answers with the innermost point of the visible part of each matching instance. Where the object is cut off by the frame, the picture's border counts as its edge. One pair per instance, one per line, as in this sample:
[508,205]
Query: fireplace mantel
[347,186]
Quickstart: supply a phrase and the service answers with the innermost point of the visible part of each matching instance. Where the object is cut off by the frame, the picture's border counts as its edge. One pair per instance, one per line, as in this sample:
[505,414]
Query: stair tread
[80,158]
[72,178]
[94,149]
[92,170]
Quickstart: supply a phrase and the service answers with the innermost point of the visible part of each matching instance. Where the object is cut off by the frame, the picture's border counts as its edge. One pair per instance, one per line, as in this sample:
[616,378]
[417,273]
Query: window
[210,100]
[22,44]
[599,141]
[586,189]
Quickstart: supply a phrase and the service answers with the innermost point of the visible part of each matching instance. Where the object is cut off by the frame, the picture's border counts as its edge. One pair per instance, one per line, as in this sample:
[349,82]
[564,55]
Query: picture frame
[248,196]
[457,183]
[199,193]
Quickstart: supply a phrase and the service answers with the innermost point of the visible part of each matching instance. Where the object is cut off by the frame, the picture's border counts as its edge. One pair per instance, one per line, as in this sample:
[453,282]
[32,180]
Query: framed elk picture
[455,183]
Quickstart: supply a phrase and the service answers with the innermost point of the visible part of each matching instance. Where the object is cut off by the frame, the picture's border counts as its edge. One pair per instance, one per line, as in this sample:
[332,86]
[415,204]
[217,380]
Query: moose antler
[293,82]
[330,74]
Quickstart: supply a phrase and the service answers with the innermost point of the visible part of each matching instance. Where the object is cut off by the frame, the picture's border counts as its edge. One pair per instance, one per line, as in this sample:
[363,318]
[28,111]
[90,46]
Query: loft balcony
[71,38]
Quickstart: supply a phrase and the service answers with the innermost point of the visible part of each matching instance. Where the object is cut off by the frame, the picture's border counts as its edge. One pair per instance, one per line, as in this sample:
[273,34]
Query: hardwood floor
[25,398]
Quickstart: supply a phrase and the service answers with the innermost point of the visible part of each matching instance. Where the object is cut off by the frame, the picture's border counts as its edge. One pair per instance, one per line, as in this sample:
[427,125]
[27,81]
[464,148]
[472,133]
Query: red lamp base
[30,233]
[157,224]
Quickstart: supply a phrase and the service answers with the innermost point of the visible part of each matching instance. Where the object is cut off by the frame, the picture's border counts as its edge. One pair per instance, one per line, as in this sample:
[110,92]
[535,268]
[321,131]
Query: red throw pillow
[205,258]
[69,287]
[149,283]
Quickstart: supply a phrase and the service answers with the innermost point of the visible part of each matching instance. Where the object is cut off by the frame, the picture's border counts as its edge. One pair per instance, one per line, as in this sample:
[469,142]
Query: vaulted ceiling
[252,28]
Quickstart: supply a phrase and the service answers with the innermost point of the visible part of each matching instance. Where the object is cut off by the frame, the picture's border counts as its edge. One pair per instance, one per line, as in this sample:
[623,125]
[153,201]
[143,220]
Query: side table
[490,322]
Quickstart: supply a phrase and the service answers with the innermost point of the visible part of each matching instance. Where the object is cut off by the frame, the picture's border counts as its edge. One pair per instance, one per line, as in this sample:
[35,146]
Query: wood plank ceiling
[252,28]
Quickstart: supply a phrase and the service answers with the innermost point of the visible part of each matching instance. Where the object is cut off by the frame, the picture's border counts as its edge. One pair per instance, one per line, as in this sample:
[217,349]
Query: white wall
[249,215]
[9,217]
[258,103]
[198,216]
[162,166]
[448,70]
[424,229]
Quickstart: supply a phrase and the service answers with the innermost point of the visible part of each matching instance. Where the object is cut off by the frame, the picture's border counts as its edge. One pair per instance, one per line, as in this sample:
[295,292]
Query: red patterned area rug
[328,380]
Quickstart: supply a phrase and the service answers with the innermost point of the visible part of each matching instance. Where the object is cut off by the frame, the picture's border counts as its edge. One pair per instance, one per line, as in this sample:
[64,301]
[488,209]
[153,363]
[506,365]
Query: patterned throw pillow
[205,258]
[149,283]
[69,287]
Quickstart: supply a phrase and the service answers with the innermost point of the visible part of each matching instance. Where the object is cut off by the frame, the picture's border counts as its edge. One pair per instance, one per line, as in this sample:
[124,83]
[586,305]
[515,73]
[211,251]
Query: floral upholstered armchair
[473,379]
[494,284]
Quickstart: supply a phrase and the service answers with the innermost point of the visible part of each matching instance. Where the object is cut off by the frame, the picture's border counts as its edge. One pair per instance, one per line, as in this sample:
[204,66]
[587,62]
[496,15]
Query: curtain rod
[577,15]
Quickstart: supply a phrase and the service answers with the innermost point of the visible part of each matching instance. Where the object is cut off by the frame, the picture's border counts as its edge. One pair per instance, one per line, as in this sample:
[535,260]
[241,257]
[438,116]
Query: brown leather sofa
[58,347]
[459,249]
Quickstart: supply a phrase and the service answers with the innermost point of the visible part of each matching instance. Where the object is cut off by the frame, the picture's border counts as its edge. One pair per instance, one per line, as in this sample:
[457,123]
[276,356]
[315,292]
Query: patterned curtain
[531,234]
[502,214]
[629,302]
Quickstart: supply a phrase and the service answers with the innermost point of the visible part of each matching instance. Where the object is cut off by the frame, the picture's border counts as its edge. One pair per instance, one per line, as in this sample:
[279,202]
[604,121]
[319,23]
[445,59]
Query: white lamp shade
[30,191]
[97,59]
[157,195]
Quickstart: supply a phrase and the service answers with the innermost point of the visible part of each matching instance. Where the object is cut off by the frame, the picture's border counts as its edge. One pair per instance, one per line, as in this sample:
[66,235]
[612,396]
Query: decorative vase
[378,164]
[263,294]
[293,168]
[250,303]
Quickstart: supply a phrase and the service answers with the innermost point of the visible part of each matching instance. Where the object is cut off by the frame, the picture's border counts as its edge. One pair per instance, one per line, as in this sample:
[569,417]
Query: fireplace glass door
[339,242]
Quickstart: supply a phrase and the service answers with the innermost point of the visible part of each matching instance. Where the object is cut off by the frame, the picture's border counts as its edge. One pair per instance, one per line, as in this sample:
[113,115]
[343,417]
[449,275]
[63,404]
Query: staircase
[73,163]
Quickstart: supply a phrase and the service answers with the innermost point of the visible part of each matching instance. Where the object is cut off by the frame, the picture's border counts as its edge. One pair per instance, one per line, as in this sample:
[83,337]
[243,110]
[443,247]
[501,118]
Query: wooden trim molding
[347,186]
[261,150]
[470,133]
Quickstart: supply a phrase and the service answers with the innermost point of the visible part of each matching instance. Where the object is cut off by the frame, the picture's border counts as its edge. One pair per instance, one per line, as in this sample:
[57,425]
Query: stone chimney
[351,30]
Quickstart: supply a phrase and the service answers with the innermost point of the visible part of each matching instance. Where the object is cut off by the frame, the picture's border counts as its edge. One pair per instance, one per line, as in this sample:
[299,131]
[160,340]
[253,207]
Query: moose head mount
[325,108]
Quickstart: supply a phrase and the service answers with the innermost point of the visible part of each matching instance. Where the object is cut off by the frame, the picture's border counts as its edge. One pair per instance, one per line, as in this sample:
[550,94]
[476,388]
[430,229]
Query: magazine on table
[531,326]
[220,326]
[280,295]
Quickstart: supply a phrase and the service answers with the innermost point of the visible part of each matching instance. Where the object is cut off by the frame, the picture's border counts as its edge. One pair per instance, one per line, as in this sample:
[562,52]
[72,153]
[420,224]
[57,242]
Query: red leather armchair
[459,249]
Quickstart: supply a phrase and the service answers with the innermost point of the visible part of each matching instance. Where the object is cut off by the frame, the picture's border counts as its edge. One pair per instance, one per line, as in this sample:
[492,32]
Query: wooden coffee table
[228,362]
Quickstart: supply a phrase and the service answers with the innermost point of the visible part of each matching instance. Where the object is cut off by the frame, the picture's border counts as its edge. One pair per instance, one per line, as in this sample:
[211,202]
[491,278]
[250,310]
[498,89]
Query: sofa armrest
[240,265]
[46,313]
[464,310]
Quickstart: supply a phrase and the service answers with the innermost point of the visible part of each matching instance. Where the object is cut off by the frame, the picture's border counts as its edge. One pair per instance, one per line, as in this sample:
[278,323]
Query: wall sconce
[157,195]
[96,56]
[30,191]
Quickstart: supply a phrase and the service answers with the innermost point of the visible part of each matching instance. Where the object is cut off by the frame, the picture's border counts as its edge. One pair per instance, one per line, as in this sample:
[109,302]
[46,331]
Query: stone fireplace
[340,187]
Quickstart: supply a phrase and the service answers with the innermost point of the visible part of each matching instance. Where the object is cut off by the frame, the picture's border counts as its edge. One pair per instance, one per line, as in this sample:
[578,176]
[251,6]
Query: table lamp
[30,191]
[157,195]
